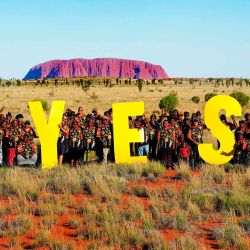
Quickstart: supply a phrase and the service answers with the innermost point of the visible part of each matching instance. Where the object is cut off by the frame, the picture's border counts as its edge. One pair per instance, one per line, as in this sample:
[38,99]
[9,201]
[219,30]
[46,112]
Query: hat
[19,116]
[27,122]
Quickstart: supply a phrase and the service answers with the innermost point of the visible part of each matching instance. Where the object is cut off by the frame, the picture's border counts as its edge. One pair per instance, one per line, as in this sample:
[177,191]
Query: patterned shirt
[15,136]
[89,137]
[196,133]
[167,137]
[75,137]
[26,148]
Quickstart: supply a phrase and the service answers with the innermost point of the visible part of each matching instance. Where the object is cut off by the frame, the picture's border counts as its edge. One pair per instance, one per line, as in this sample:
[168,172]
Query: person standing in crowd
[1,144]
[185,152]
[174,118]
[104,137]
[241,146]
[240,130]
[8,119]
[82,118]
[247,126]
[5,141]
[143,127]
[153,128]
[26,152]
[98,142]
[166,138]
[29,130]
[185,128]
[231,125]
[15,136]
[19,119]
[75,143]
[195,134]
[131,145]
[62,142]
[89,139]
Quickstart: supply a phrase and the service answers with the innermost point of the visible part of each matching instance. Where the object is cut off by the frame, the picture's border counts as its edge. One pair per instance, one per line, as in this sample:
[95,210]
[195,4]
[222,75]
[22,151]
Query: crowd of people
[170,138]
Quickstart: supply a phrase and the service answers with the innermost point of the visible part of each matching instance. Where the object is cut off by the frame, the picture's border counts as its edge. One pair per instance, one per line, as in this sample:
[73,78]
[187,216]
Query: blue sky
[189,38]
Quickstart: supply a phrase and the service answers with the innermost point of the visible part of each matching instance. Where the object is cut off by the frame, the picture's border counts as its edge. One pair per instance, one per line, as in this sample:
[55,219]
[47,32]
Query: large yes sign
[48,131]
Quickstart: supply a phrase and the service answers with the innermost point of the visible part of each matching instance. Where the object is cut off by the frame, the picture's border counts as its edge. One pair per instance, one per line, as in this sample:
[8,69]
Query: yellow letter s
[219,130]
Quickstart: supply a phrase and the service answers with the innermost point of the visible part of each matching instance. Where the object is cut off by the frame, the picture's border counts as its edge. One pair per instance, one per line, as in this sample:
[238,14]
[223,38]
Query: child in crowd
[185,152]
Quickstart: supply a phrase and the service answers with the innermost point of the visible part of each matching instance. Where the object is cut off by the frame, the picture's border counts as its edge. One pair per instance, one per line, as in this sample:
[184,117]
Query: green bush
[196,99]
[169,102]
[241,97]
[209,96]
[245,224]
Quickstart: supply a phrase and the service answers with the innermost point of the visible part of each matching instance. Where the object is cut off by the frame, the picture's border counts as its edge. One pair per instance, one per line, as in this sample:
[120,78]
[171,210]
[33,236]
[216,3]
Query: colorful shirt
[196,133]
[63,136]
[89,137]
[104,132]
[15,136]
[167,137]
[26,149]
[75,137]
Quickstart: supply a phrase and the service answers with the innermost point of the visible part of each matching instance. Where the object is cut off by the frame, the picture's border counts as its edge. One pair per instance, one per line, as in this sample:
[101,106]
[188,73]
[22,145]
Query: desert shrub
[127,235]
[209,96]
[64,245]
[148,223]
[64,181]
[153,168]
[239,203]
[181,221]
[42,210]
[184,243]
[233,237]
[20,226]
[154,240]
[140,84]
[194,211]
[241,97]
[245,224]
[74,223]
[183,172]
[18,182]
[234,168]
[165,221]
[169,102]
[90,232]
[204,201]
[13,242]
[214,173]
[134,211]
[90,211]
[42,239]
[48,223]
[195,99]
[8,83]
[140,191]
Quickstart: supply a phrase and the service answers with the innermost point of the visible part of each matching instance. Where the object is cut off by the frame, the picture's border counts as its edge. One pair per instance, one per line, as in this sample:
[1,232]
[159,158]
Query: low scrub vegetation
[118,206]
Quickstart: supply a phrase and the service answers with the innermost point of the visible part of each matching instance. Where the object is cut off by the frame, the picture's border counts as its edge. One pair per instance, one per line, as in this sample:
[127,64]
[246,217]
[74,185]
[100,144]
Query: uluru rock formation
[99,67]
